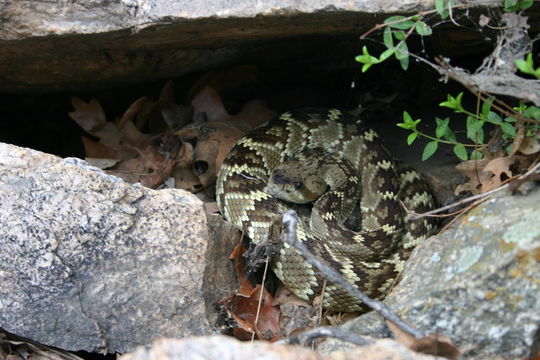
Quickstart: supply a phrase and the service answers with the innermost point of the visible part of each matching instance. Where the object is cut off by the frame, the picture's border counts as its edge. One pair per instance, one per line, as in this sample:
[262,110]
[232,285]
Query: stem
[443,141]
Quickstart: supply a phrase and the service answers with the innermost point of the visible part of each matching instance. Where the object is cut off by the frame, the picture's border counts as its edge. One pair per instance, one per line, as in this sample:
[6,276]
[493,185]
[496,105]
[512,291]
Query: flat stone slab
[51,46]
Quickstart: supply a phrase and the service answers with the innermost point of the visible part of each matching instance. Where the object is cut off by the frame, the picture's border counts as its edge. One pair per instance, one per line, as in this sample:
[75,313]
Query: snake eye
[298,185]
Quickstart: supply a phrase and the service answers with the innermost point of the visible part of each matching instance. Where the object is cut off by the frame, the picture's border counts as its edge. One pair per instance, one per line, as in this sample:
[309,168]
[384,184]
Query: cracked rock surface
[89,262]
[476,283]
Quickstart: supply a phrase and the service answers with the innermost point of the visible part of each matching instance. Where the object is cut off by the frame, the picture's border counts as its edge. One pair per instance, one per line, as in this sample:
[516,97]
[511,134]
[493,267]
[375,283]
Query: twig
[461,213]
[260,298]
[320,307]
[475,197]
[457,203]
[288,236]
[325,331]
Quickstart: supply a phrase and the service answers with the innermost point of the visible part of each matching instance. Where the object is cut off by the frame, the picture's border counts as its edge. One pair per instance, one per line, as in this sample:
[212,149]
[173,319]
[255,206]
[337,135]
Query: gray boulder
[89,262]
[476,283]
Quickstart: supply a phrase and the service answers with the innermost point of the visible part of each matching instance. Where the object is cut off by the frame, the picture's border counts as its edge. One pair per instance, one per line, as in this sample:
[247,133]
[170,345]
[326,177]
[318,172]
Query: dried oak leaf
[214,140]
[473,170]
[94,149]
[208,102]
[244,310]
[530,145]
[237,256]
[242,306]
[488,174]
[120,140]
[150,168]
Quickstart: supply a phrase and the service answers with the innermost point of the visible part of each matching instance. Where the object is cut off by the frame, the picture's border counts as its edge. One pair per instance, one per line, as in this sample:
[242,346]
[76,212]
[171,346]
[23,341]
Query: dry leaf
[284,296]
[244,311]
[208,102]
[530,145]
[91,117]
[150,168]
[473,170]
[254,113]
[185,179]
[94,149]
[214,140]
[237,255]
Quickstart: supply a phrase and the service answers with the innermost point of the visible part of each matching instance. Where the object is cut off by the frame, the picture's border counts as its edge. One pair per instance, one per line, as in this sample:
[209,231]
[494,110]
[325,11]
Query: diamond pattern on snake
[326,156]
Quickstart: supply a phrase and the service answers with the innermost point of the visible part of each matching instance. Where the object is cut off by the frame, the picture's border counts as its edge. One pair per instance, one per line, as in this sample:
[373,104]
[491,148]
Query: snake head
[295,183]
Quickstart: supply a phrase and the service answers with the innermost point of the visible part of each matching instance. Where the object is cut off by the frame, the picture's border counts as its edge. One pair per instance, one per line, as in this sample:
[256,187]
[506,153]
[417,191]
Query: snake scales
[371,258]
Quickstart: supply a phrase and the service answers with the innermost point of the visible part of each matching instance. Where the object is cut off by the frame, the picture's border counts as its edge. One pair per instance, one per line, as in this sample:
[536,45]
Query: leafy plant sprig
[474,126]
[397,30]
[527,66]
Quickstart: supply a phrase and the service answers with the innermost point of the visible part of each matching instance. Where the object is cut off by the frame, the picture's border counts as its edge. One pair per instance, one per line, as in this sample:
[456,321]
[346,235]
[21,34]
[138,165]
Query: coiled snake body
[371,258]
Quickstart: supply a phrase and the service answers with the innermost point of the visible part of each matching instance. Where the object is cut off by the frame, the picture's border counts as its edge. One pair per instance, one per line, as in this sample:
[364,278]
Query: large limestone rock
[72,45]
[89,262]
[476,283]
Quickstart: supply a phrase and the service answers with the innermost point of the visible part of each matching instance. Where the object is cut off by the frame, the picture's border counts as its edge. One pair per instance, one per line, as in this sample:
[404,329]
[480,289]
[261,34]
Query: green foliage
[443,6]
[474,125]
[397,30]
[516,5]
[527,66]
[394,39]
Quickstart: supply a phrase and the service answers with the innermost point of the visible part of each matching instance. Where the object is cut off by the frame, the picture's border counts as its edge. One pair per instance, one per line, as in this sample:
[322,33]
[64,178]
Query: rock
[89,262]
[221,347]
[81,44]
[476,283]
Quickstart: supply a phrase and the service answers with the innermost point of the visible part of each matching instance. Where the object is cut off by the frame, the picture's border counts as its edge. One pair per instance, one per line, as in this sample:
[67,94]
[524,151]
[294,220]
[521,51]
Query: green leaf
[527,66]
[366,59]
[510,119]
[394,22]
[386,54]
[404,63]
[509,3]
[479,136]
[440,6]
[476,155]
[494,118]
[473,126]
[486,106]
[411,137]
[532,112]
[387,38]
[521,107]
[408,123]
[460,152]
[442,126]
[525,4]
[429,150]
[402,51]
[423,29]
[515,5]
[402,54]
[399,35]
[508,129]
[453,102]
[449,135]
